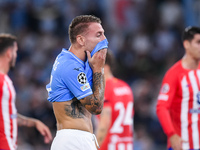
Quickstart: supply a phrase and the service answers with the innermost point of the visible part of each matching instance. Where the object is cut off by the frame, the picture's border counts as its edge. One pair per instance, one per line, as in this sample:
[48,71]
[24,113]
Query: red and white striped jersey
[119,97]
[178,106]
[8,114]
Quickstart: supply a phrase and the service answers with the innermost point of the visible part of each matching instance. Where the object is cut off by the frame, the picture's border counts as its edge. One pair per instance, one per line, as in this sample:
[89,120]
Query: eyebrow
[100,32]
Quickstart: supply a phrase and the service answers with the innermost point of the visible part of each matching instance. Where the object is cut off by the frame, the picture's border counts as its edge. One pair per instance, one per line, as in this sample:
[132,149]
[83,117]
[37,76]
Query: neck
[190,63]
[4,67]
[78,51]
[108,75]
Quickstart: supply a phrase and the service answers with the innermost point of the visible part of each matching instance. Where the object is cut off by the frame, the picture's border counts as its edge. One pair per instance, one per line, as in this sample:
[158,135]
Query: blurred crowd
[144,35]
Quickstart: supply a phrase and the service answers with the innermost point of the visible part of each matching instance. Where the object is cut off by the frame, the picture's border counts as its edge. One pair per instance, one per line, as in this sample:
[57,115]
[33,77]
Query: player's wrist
[99,70]
[171,134]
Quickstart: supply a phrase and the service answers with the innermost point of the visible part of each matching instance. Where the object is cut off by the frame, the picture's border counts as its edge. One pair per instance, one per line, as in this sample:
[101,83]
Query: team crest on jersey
[165,88]
[82,78]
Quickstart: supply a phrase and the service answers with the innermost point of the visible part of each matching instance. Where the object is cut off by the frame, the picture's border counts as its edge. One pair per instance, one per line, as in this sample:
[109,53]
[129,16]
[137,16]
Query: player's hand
[176,142]
[44,130]
[97,61]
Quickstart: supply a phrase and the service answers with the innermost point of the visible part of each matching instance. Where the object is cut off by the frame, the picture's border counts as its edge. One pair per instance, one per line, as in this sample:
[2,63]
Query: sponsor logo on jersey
[163,97]
[194,111]
[77,69]
[85,87]
[188,85]
[198,97]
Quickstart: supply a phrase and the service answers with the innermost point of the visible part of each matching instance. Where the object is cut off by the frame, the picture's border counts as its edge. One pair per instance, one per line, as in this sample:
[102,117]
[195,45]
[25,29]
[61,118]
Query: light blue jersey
[71,77]
[68,78]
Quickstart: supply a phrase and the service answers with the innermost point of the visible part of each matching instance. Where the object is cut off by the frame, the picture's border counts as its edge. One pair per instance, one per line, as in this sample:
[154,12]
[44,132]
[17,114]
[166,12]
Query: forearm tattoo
[94,102]
[75,109]
[98,85]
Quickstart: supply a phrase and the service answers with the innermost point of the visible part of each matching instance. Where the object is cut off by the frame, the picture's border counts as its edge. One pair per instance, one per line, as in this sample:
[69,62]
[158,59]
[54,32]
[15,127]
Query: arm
[176,142]
[31,122]
[104,124]
[163,108]
[164,118]
[94,103]
[166,123]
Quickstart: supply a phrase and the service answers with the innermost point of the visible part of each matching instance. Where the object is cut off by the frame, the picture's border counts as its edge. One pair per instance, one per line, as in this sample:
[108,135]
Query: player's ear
[8,53]
[80,39]
[186,44]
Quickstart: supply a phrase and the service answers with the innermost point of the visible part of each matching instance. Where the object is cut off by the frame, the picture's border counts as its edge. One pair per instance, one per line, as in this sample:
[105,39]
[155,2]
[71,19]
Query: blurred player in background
[9,118]
[178,106]
[115,127]
[75,90]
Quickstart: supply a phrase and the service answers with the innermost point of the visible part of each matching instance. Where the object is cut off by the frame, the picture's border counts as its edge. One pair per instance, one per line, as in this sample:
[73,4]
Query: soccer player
[9,118]
[178,106]
[76,90]
[115,127]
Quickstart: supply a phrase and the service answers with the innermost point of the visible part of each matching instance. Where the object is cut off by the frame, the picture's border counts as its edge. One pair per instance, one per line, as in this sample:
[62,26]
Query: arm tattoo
[98,85]
[94,103]
[75,109]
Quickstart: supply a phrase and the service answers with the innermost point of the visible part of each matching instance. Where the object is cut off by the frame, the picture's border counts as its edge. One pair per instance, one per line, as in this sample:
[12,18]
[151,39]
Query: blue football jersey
[68,78]
[71,77]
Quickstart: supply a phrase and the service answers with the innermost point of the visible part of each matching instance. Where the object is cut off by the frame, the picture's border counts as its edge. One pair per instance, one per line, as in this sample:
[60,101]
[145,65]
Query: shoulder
[2,78]
[118,85]
[116,81]
[173,75]
[68,63]
[175,69]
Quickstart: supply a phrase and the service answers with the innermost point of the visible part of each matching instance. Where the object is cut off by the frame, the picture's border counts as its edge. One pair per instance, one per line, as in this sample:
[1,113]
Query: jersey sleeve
[165,98]
[75,78]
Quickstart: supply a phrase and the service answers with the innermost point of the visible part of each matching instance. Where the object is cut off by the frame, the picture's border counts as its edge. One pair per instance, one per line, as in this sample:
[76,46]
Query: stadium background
[144,35]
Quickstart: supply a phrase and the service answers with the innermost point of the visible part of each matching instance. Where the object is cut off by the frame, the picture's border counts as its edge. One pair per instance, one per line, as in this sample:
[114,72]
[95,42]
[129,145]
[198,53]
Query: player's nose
[103,37]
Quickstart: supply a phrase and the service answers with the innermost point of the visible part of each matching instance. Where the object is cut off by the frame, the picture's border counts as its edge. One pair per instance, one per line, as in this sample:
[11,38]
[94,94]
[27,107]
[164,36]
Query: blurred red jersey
[119,97]
[178,106]
[8,114]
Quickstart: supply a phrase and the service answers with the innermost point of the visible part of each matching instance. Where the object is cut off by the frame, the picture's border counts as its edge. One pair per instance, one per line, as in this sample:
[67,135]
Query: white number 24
[124,117]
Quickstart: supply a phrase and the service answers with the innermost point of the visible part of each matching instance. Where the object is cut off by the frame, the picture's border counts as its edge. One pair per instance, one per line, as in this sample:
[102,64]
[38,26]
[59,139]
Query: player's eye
[99,34]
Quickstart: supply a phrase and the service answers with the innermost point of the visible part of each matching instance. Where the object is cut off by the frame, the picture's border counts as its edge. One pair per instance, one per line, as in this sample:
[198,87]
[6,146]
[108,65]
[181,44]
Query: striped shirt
[8,114]
[178,106]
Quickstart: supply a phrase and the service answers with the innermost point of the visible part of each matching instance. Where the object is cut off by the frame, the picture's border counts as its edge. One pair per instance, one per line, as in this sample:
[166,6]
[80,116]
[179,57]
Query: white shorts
[71,139]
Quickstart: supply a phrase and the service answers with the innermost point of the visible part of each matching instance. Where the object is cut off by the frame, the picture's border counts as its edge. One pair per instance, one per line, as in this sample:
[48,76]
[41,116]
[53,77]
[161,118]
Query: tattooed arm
[31,122]
[94,103]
